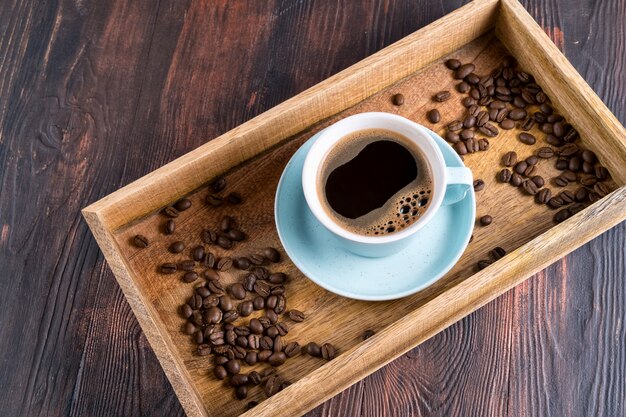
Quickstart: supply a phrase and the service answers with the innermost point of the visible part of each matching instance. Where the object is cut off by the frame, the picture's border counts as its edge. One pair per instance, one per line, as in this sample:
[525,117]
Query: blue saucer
[314,250]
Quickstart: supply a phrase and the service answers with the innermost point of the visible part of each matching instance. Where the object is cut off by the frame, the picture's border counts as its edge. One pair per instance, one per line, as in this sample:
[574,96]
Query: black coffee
[375,182]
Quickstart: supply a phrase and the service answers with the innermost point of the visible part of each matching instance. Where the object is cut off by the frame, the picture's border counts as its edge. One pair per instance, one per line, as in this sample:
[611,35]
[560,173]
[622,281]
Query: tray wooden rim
[105,216]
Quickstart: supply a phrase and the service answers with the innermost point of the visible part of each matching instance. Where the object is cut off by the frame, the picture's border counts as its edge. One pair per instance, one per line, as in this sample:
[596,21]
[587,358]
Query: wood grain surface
[94,95]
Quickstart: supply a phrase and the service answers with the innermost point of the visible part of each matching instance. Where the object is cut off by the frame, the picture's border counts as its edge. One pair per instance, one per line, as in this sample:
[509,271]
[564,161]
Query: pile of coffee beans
[509,98]
[246,322]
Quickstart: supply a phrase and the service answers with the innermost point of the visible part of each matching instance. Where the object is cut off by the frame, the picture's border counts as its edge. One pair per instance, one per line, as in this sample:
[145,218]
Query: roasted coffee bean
[224,350]
[271,301]
[242,341]
[587,168]
[545,152]
[460,148]
[239,379]
[474,110]
[277,278]
[482,264]
[226,223]
[527,138]
[504,175]
[561,164]
[238,291]
[282,328]
[464,70]
[213,315]
[517,114]
[280,304]
[463,87]
[224,242]
[453,64]
[187,265]
[547,128]
[186,311]
[472,79]
[569,150]
[198,253]
[560,181]
[588,180]
[593,197]
[468,101]
[530,170]
[561,215]
[203,350]
[397,99]
[543,196]
[255,326]
[558,130]
[292,349]
[213,200]
[230,337]
[575,208]
[601,173]
[467,134]
[272,385]
[497,104]
[530,187]
[469,122]
[581,195]
[277,289]
[520,167]
[509,159]
[527,124]
[264,355]
[209,236]
[236,235]
[516,179]
[226,303]
[271,316]
[433,116]
[554,141]
[479,185]
[266,342]
[575,164]
[170,212]
[141,241]
[481,118]
[251,358]
[169,227]
[218,184]
[532,160]
[601,189]
[189,277]
[258,303]
[234,198]
[248,282]
[538,180]
[242,330]
[589,157]
[569,175]
[213,275]
[233,366]
[485,220]
[183,204]
[190,328]
[313,349]
[328,351]
[519,102]
[245,309]
[168,268]
[257,259]
[224,264]
[507,124]
[502,115]
[177,247]
[242,263]
[539,117]
[455,126]
[261,288]
[570,136]
[296,315]
[555,202]
[452,137]
[442,96]
[489,130]
[497,253]
[278,344]
[220,372]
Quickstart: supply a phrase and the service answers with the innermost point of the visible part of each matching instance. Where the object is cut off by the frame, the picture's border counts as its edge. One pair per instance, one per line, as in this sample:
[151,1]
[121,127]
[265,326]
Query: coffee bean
[442,96]
[218,184]
[367,334]
[195,301]
[257,259]
[530,187]
[452,137]
[504,175]
[190,276]
[463,87]
[502,115]
[489,130]
[177,247]
[593,197]
[481,118]
[272,386]
[581,195]
[261,288]
[258,303]
[238,291]
[509,159]
[561,164]
[278,344]
[264,354]
[569,150]
[271,316]
[545,153]
[168,268]
[575,208]
[482,264]
[469,122]
[141,241]
[226,223]
[224,264]
[587,168]
[528,123]
[497,253]
[453,64]
[455,126]
[558,130]
[464,70]
[538,180]
[527,138]
[486,220]
[224,242]
[571,136]
[236,235]
[468,101]
[561,215]
[601,173]
[255,326]
[266,342]
[532,160]
[213,200]
[530,170]
[546,128]
[272,254]
[479,185]
[203,350]
[560,181]
[254,377]
[517,114]
[234,198]
[507,124]
[170,212]
[516,179]
[520,167]
[296,316]
[280,304]
[271,301]
[569,175]
[198,253]
[292,349]
[245,309]
[566,196]
[183,204]
[588,180]
[209,236]
[233,366]
[460,148]
[239,379]
[313,349]
[328,351]
[601,189]
[467,134]
[555,202]
[220,372]
[282,328]
[472,79]
[433,116]
[397,99]
[575,164]
[213,315]
[186,311]
[554,141]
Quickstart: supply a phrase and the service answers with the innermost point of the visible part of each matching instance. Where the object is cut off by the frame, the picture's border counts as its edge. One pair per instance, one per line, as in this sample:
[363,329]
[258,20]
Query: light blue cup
[450,184]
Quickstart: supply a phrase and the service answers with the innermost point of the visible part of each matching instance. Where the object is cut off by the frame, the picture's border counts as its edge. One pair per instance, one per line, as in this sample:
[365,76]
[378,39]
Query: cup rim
[329,136]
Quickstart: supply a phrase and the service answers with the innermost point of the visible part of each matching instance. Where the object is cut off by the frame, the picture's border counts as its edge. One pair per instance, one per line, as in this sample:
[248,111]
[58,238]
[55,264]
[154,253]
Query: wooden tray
[253,156]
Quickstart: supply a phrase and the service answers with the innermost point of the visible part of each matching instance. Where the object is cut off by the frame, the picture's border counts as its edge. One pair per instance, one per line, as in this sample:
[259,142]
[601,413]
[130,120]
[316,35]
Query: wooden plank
[569,92]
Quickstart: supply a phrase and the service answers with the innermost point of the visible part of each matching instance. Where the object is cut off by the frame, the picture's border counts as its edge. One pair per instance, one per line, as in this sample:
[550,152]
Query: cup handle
[459,180]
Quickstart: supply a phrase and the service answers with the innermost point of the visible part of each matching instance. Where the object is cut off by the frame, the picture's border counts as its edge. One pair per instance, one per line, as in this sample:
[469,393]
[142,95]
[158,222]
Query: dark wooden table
[94,94]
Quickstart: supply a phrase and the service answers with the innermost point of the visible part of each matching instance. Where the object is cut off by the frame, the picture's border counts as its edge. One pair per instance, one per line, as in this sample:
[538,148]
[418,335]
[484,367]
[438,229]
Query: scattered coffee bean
[463,87]
[455,126]
[601,189]
[453,64]
[517,114]
[527,124]
[183,204]
[271,254]
[509,159]
[397,99]
[224,264]
[527,138]
[313,349]
[224,242]
[272,385]
[560,181]
[516,179]
[538,180]
[141,241]
[467,134]
[168,268]
[486,220]
[530,170]
[442,96]
[555,202]
[520,167]
[213,200]
[530,187]
[489,130]
[545,153]
[532,160]
[170,212]
[218,184]
[433,116]
[190,276]
[504,175]
[220,372]
[479,185]
[328,351]
[561,215]
[507,124]
[497,253]
[482,264]
[464,70]
[234,198]
[177,247]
